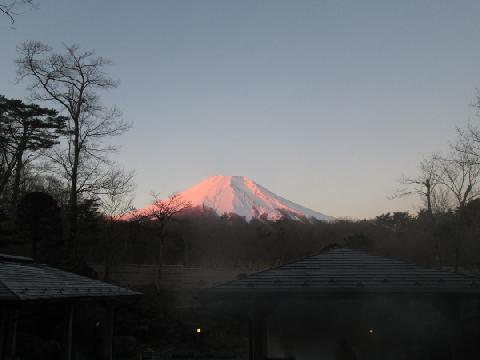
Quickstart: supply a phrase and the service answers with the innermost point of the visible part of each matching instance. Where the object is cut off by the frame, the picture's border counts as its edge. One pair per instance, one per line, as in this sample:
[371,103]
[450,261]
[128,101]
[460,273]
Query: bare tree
[72,80]
[424,184]
[11,8]
[441,200]
[468,141]
[163,212]
[468,138]
[459,173]
[462,169]
[115,202]
[117,194]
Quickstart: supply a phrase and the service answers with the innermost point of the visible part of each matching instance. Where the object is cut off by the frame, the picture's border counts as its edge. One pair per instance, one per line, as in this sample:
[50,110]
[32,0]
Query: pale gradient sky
[325,103]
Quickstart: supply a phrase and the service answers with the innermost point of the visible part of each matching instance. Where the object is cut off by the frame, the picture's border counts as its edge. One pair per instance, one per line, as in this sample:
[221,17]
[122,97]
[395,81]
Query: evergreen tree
[39,222]
[25,130]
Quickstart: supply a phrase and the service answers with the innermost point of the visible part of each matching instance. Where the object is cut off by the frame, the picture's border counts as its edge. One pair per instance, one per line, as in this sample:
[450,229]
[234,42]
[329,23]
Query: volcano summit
[242,196]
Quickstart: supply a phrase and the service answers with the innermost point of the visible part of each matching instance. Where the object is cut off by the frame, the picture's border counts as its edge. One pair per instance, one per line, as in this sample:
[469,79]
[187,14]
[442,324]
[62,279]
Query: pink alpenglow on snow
[242,196]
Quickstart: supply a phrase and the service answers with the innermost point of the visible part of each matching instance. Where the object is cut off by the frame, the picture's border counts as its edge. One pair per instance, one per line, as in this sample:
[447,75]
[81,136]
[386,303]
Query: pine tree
[25,130]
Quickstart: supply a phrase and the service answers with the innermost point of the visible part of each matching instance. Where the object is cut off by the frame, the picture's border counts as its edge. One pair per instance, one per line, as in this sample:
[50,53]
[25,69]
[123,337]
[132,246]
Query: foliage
[26,130]
[39,223]
[201,238]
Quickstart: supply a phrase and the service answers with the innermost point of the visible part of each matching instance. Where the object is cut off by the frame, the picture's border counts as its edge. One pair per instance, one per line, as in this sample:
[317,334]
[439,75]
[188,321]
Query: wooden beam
[258,339]
[108,332]
[458,335]
[3,322]
[250,339]
[11,335]
[67,342]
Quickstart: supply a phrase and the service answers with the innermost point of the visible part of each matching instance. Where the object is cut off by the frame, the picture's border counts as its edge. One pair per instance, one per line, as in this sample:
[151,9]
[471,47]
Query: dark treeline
[201,238]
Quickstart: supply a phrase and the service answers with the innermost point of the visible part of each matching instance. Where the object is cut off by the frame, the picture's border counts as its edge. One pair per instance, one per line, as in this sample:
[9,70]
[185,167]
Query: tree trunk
[18,176]
[158,274]
[109,258]
[73,199]
[159,266]
[67,349]
[108,332]
[429,200]
[7,174]
[436,245]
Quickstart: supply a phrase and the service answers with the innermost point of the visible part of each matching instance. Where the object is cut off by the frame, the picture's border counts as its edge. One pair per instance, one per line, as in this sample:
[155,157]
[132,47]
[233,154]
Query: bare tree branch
[11,9]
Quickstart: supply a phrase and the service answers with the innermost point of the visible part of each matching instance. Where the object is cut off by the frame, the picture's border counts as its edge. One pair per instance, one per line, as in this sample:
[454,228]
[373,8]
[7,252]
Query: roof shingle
[337,270]
[22,280]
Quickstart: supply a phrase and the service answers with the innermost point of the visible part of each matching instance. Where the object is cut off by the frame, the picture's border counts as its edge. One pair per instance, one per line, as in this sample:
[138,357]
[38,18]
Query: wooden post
[250,339]
[68,339]
[454,310]
[258,336]
[3,322]
[11,335]
[108,332]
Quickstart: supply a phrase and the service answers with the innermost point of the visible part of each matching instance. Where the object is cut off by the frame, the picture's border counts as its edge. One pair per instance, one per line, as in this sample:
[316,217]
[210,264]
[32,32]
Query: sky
[326,103]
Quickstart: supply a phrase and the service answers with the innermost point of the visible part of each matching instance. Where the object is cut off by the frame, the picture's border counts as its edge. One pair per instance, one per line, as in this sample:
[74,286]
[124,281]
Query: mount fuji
[242,196]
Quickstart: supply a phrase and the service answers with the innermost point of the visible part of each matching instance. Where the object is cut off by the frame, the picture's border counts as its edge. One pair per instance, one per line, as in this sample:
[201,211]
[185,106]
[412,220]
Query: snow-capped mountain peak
[242,196]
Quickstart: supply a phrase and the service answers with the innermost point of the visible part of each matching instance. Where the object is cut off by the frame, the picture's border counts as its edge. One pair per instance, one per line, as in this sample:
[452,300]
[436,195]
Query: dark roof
[338,270]
[21,279]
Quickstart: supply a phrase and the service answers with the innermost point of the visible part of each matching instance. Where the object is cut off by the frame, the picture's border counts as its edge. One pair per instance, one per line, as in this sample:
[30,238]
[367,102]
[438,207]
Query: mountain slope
[244,197]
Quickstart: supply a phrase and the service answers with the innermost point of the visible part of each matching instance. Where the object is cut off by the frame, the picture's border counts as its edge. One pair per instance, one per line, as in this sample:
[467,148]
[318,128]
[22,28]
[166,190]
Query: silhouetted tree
[460,170]
[116,198]
[72,80]
[26,129]
[397,222]
[38,221]
[163,212]
[425,184]
[468,138]
[115,202]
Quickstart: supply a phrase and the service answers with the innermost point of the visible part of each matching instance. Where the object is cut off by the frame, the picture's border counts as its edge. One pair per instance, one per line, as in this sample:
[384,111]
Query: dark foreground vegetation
[201,238]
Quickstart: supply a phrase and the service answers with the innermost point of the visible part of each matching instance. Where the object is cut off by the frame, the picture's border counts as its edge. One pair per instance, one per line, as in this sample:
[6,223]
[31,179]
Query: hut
[349,304]
[27,287]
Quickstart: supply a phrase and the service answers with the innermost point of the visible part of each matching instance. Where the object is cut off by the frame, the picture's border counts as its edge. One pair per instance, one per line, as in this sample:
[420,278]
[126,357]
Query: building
[29,289]
[373,306]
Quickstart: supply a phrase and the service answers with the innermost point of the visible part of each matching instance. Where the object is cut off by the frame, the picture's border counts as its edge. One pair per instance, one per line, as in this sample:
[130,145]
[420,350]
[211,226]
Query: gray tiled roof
[337,270]
[21,280]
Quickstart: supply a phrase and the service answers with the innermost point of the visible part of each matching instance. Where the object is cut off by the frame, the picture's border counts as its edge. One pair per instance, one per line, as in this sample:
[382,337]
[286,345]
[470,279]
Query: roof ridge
[405,262]
[32,281]
[15,258]
[324,249]
[334,256]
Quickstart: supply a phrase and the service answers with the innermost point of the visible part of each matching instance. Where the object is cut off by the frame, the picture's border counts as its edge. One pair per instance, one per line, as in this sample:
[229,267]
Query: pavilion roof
[343,270]
[21,279]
